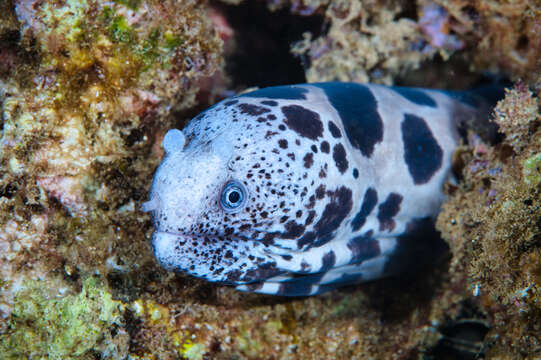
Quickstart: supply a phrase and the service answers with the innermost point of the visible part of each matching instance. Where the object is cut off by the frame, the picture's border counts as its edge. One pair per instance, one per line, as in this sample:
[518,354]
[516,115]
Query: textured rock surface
[492,224]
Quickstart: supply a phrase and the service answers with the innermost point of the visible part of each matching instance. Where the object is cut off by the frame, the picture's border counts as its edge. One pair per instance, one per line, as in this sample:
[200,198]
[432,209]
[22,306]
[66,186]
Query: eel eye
[233,196]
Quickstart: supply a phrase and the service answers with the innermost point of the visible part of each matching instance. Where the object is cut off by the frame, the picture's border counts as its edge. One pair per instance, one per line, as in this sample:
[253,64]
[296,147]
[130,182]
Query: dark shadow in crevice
[260,54]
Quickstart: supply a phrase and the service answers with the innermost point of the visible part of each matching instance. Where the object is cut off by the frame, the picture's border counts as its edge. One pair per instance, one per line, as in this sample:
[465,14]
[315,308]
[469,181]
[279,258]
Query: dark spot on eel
[362,248]
[308,160]
[334,213]
[340,159]
[369,203]
[294,230]
[269,102]
[416,96]
[335,131]
[358,110]
[422,153]
[252,109]
[303,121]
[230,102]
[387,210]
[325,147]
[328,261]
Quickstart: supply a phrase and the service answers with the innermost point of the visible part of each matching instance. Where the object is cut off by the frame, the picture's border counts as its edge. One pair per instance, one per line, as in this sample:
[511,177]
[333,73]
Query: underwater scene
[270,179]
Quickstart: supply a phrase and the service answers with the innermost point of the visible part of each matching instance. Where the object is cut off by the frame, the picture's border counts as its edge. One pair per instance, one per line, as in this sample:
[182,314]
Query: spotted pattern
[230,102]
[335,131]
[339,186]
[422,153]
[363,247]
[336,210]
[358,110]
[304,122]
[369,203]
[387,210]
[293,230]
[308,160]
[251,109]
[270,103]
[325,147]
[416,96]
[264,270]
[328,261]
[340,158]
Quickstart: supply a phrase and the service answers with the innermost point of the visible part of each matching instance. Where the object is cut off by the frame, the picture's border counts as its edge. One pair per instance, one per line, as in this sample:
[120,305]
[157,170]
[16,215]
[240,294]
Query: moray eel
[296,190]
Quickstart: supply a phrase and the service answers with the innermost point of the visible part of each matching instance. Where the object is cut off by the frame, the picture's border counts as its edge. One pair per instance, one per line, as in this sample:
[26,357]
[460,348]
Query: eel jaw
[227,261]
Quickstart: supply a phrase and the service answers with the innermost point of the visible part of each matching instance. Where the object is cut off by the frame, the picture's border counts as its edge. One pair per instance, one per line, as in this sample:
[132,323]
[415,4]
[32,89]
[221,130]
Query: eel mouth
[228,260]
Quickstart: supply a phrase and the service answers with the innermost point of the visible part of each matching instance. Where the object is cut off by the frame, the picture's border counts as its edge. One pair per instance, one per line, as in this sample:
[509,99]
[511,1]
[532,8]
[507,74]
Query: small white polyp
[173,140]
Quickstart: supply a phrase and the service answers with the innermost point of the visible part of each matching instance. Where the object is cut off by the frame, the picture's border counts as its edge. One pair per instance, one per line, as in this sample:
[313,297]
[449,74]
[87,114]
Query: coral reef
[376,42]
[492,224]
[366,42]
[63,326]
[87,89]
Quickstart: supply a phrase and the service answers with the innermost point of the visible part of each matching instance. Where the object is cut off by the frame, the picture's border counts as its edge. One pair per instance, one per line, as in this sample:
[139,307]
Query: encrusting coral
[87,89]
[364,43]
[67,326]
[376,42]
[491,223]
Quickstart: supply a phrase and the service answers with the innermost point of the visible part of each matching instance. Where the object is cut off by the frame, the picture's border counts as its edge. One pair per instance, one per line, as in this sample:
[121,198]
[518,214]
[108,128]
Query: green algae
[172,41]
[193,351]
[248,344]
[120,31]
[130,4]
[532,170]
[131,51]
[348,307]
[155,45]
[68,18]
[69,327]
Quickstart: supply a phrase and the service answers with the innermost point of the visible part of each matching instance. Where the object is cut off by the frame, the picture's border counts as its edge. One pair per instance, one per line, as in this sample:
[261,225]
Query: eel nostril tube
[152,204]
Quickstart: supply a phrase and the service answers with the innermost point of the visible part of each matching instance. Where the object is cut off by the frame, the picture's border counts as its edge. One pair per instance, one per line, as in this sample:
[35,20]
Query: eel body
[295,190]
